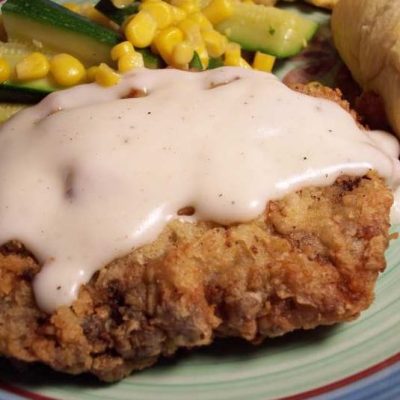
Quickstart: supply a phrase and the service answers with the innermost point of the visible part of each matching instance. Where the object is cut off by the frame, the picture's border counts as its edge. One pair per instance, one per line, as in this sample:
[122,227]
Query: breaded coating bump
[311,259]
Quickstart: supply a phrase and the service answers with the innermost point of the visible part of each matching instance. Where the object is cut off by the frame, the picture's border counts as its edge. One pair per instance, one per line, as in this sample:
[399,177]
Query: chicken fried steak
[312,259]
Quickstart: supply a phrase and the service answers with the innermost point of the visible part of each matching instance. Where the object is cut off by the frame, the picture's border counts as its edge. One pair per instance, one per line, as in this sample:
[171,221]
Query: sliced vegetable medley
[51,46]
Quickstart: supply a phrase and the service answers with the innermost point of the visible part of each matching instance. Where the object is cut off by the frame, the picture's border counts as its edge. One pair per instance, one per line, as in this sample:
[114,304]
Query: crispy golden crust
[311,259]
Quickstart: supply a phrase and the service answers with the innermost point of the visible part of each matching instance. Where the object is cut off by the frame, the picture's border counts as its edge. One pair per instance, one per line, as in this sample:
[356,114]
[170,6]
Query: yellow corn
[141,29]
[121,49]
[91,73]
[201,20]
[166,41]
[215,43]
[160,11]
[236,62]
[5,70]
[182,54]
[233,56]
[218,10]
[106,76]
[243,63]
[67,70]
[263,62]
[191,30]
[34,66]
[178,14]
[203,54]
[130,61]
[76,8]
[189,6]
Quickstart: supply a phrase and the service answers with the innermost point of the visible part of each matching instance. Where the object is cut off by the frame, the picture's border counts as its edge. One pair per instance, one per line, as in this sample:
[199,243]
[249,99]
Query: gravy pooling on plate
[90,173]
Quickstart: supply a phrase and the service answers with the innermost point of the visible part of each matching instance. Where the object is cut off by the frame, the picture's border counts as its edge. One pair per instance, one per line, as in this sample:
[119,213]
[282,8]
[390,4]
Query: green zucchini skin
[196,63]
[12,93]
[59,29]
[216,62]
[271,30]
[151,60]
[116,14]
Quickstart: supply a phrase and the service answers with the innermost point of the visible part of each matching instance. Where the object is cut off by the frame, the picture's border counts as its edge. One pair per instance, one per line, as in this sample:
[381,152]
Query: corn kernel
[121,49]
[203,54]
[106,76]
[215,43]
[236,62]
[34,66]
[232,53]
[141,29]
[166,41]
[218,10]
[233,56]
[201,20]
[130,61]
[76,8]
[67,70]
[263,62]
[191,31]
[160,11]
[243,63]
[178,14]
[91,73]
[189,6]
[5,70]
[182,54]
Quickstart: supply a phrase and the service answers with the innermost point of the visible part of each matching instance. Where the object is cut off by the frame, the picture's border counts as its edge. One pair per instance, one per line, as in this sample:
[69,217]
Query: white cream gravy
[88,175]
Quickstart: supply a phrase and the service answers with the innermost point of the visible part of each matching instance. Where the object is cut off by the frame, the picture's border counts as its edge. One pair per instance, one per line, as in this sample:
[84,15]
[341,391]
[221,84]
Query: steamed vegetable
[58,29]
[53,46]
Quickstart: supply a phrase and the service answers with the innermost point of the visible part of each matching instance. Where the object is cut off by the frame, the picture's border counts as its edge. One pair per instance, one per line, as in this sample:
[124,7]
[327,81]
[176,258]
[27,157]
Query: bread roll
[367,36]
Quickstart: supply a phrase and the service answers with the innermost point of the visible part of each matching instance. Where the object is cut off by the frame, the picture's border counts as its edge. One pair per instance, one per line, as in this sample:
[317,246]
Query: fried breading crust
[311,259]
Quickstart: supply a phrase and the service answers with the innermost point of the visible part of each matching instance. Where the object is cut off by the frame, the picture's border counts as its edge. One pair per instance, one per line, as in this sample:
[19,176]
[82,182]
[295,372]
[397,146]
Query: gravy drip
[91,173]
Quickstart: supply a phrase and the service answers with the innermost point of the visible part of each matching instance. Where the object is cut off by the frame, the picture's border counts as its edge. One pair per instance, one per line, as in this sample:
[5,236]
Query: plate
[354,361]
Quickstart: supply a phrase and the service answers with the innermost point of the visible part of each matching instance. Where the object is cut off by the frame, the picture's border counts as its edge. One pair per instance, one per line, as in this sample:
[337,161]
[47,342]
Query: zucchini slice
[270,30]
[117,14]
[58,29]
